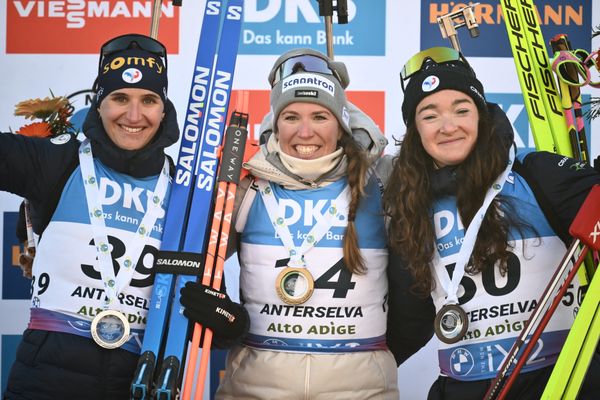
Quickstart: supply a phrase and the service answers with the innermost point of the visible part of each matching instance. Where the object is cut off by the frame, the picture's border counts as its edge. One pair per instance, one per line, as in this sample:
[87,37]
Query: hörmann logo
[54,22]
[275,26]
[573,18]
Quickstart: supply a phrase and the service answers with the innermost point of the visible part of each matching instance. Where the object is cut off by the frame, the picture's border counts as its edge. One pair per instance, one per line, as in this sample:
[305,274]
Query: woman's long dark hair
[408,202]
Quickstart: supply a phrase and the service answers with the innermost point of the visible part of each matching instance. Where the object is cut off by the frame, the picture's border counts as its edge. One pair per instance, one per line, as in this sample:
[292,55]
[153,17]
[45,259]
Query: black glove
[215,310]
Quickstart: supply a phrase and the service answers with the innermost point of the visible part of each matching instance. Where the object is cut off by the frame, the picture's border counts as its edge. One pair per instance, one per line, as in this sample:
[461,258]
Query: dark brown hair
[408,201]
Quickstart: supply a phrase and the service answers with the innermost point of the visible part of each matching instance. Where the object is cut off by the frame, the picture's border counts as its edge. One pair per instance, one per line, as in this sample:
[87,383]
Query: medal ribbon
[338,207]
[113,284]
[451,286]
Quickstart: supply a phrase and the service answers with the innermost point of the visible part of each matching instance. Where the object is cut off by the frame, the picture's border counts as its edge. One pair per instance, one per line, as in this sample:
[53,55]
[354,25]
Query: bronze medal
[451,323]
[294,285]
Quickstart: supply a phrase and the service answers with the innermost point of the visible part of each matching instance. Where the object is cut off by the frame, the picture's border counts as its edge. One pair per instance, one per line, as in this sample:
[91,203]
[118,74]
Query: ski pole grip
[325,8]
[342,11]
[586,225]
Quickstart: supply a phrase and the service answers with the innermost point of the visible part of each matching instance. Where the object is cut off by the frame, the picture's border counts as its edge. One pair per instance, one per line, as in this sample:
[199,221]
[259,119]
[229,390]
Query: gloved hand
[213,309]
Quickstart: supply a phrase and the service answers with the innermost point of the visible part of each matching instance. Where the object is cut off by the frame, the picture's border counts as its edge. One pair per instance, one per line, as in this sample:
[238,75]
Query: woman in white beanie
[312,247]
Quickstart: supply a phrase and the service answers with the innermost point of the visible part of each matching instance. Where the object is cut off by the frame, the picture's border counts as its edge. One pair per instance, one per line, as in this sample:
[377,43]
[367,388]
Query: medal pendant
[110,329]
[294,285]
[451,323]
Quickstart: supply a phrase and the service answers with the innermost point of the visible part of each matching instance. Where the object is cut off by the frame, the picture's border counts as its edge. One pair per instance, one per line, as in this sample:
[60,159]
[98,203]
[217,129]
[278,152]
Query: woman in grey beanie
[312,247]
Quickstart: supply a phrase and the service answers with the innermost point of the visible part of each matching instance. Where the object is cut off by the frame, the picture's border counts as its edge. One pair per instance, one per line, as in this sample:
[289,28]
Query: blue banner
[570,17]
[276,26]
[14,285]
[514,107]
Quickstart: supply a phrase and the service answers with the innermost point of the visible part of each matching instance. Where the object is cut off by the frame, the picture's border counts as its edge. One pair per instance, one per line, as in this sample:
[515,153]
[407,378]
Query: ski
[570,94]
[584,229]
[179,209]
[537,83]
[198,220]
[216,253]
[574,359]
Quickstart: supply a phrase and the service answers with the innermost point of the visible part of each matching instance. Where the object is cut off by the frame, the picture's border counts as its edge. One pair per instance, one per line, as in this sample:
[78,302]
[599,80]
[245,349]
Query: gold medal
[110,329]
[451,323]
[294,285]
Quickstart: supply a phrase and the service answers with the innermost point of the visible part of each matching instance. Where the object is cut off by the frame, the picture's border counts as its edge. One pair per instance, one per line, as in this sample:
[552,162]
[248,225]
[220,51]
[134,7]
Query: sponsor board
[82,26]
[276,26]
[570,17]
[14,285]
[514,107]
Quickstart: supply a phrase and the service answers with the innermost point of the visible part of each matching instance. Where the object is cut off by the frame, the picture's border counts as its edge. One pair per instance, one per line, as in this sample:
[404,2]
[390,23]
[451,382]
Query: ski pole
[585,228]
[326,9]
[540,328]
[155,17]
[232,157]
[571,97]
[500,379]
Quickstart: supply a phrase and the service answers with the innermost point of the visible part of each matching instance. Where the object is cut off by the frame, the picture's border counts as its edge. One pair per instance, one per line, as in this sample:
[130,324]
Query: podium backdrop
[51,46]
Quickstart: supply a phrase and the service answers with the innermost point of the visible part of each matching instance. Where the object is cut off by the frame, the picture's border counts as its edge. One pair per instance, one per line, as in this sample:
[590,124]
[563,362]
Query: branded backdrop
[51,47]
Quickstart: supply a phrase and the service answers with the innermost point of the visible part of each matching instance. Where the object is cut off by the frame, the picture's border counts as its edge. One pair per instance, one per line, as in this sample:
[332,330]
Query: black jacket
[560,185]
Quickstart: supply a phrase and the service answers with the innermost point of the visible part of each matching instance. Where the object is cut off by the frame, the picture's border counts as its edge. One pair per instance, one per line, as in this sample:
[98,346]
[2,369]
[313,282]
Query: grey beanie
[311,87]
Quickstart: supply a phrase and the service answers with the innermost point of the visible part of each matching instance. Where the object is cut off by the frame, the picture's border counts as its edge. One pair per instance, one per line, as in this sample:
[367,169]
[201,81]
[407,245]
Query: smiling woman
[95,255]
[312,247]
[131,117]
[475,228]
[308,131]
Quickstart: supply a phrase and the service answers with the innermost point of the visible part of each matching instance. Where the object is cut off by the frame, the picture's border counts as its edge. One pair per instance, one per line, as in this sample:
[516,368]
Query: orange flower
[54,113]
[36,129]
[41,108]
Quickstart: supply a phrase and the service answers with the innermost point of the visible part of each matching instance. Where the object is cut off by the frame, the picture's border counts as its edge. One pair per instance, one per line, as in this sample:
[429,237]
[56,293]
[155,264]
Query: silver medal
[110,329]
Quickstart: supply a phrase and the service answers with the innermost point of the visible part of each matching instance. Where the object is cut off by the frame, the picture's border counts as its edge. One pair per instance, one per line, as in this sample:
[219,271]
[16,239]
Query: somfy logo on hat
[430,83]
[132,75]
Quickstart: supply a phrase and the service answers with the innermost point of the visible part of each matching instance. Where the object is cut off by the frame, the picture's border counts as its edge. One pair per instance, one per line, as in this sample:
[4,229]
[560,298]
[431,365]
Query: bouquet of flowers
[51,118]
[53,113]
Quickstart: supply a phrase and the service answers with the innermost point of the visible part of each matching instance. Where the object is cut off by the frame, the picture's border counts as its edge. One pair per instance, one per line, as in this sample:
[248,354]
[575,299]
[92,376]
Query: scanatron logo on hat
[308,80]
[430,83]
[132,75]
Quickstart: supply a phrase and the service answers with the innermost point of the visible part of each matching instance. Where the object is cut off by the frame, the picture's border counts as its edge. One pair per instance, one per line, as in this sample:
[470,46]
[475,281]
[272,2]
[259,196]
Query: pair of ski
[538,86]
[550,131]
[184,241]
